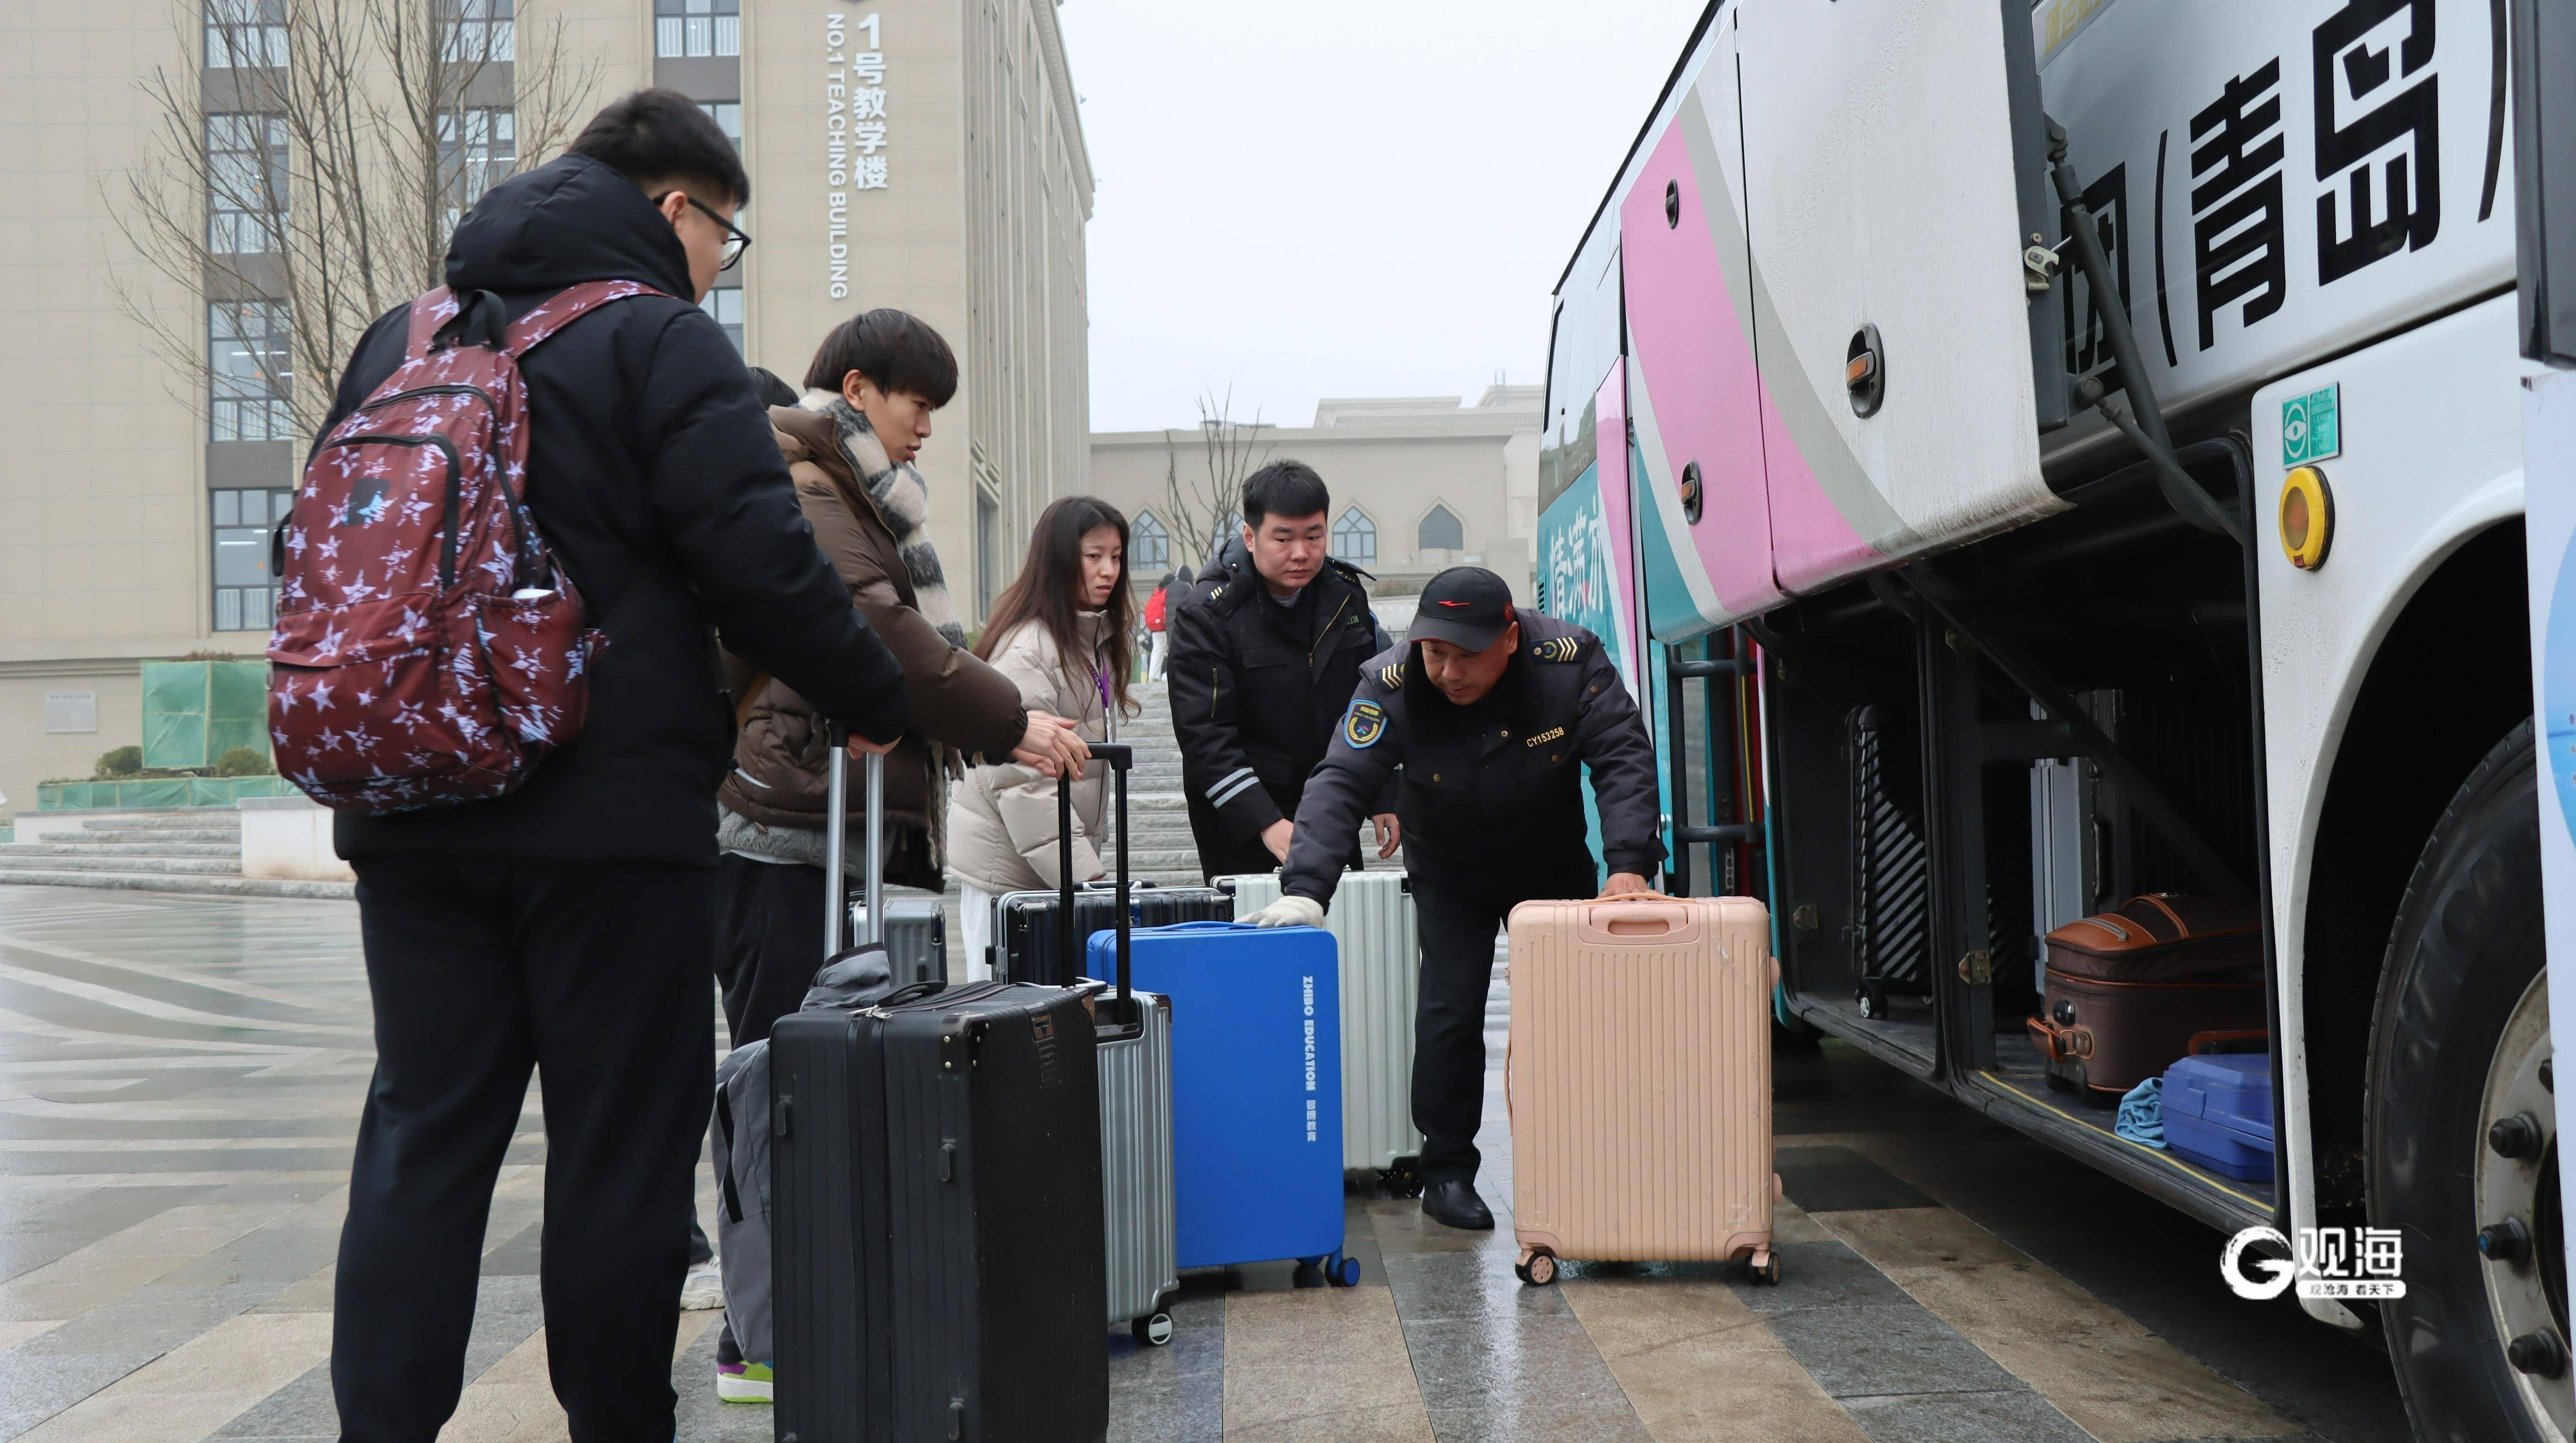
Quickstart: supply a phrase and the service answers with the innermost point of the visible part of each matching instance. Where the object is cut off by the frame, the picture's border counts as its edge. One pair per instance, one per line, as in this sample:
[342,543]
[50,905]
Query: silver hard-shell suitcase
[1134,1052]
[915,937]
[1374,929]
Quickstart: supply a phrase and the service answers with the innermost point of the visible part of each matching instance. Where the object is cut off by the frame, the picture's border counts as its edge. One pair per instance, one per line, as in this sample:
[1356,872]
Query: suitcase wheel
[1343,1272]
[1872,1000]
[1537,1268]
[1154,1332]
[1763,1267]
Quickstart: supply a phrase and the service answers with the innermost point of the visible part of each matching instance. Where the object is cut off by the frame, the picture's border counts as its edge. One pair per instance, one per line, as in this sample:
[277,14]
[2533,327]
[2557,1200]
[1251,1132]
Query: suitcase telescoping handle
[836,845]
[1120,756]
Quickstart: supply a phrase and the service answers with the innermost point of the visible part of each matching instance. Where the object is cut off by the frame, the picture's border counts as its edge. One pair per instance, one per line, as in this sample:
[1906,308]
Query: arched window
[1149,546]
[1227,529]
[1440,531]
[1355,538]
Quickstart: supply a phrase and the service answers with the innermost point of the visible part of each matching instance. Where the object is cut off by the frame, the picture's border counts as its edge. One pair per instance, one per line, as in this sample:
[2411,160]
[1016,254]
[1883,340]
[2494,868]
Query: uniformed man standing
[1265,650]
[1492,711]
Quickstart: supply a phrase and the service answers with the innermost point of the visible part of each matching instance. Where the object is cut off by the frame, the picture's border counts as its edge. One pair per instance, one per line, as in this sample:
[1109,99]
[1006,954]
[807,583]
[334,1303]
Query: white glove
[1288,911]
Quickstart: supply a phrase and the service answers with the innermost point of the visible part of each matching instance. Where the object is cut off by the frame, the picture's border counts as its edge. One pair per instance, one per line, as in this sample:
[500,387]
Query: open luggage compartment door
[1887,214]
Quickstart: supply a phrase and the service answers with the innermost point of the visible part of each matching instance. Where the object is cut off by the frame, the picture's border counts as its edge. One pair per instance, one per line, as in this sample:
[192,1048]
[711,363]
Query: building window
[1149,545]
[477,148]
[245,34]
[728,118]
[1228,528]
[247,353]
[1355,539]
[1440,531]
[725,304]
[697,27]
[477,31]
[245,594]
[246,186]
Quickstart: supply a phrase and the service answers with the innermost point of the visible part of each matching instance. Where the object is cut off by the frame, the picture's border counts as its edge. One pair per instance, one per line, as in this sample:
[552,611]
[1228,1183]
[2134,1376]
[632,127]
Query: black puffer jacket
[653,472]
[1257,690]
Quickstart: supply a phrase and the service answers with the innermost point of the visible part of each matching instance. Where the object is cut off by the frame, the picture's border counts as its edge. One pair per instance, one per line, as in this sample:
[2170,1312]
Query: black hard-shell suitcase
[1891,871]
[938,1212]
[1033,949]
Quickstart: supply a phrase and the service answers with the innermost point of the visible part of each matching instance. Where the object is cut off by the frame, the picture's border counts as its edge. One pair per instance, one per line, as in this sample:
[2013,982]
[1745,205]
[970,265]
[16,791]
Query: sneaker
[743,1382]
[702,1288]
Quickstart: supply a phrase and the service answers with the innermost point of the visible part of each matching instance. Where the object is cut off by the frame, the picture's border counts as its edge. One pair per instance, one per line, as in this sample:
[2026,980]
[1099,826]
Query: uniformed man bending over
[1265,651]
[1493,711]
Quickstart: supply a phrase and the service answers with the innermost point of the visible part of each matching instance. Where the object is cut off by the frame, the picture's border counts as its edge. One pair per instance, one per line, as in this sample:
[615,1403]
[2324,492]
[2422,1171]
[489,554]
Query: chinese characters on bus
[2376,188]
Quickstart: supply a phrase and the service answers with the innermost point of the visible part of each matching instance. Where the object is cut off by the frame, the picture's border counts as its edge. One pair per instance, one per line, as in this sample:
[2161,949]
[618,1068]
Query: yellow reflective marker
[2307,517]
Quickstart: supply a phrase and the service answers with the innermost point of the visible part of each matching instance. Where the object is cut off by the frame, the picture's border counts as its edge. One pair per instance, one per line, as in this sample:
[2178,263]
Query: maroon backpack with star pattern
[428,649]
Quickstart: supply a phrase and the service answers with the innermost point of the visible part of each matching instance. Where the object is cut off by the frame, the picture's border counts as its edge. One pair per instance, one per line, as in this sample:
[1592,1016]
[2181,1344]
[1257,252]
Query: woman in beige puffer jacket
[1059,632]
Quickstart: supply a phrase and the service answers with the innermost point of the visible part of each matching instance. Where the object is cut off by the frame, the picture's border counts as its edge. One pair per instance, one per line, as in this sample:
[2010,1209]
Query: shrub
[244,762]
[117,764]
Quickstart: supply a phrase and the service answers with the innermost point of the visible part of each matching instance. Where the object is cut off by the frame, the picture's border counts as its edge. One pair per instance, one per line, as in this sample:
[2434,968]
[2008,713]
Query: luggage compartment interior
[1907,741]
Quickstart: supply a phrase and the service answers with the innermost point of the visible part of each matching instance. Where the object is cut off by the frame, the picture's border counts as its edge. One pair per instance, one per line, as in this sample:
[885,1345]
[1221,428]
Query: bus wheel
[2462,1128]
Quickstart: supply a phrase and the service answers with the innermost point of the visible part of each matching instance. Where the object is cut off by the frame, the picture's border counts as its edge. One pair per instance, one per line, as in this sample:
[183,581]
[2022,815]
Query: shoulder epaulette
[1558,648]
[1391,675]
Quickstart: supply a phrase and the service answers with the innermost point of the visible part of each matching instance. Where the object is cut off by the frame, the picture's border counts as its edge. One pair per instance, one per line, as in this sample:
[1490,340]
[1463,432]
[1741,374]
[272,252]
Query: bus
[2026,457]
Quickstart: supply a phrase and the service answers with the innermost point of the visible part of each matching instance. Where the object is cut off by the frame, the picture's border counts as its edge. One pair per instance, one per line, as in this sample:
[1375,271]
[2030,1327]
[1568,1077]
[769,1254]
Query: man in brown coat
[849,444]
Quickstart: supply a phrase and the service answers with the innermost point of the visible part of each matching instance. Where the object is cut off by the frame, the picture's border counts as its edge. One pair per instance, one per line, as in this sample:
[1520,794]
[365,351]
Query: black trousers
[1458,930]
[772,941]
[481,969]
[1449,1026]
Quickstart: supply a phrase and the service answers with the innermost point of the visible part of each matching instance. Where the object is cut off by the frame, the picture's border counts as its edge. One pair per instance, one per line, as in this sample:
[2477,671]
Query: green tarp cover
[195,711]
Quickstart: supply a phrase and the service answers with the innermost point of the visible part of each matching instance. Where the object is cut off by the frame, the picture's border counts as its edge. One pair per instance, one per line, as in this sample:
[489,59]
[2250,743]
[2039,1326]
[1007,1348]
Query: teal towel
[2142,1114]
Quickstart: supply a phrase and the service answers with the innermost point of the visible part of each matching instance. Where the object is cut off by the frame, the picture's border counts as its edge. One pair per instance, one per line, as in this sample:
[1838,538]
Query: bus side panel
[1580,583]
[1694,382]
[1881,192]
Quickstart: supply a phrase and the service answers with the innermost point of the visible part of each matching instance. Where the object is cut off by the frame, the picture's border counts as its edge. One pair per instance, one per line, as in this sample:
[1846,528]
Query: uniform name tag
[1545,736]
[1364,723]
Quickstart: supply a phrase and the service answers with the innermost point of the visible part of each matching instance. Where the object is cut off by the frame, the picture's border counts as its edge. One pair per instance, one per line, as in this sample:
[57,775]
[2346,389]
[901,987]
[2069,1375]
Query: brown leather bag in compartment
[2128,989]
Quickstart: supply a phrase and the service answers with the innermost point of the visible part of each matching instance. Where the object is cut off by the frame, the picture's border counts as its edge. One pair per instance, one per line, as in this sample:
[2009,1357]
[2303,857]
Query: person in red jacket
[1157,608]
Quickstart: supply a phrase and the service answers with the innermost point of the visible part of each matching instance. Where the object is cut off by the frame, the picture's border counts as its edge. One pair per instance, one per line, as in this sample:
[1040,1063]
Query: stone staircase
[193,850]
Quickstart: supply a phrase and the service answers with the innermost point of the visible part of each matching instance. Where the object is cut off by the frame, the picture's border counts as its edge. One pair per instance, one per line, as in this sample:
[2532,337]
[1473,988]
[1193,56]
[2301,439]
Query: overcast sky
[1334,198]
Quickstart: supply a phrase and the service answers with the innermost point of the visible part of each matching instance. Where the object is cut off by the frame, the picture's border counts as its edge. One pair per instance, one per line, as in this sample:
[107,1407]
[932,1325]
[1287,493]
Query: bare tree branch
[1230,451]
[324,186]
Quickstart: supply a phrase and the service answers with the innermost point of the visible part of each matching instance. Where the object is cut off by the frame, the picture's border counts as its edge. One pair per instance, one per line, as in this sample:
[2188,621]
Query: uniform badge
[1559,648]
[1364,724]
[1391,676]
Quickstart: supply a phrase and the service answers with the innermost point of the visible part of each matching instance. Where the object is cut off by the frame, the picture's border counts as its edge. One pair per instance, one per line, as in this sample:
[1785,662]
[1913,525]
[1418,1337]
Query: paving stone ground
[179,1087]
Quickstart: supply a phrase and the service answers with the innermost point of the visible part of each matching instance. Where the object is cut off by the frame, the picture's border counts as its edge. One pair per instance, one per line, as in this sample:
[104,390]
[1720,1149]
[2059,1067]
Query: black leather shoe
[1454,1203]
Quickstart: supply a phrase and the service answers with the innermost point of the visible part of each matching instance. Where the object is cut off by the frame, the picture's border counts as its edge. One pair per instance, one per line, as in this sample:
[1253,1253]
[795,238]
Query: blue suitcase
[1256,1088]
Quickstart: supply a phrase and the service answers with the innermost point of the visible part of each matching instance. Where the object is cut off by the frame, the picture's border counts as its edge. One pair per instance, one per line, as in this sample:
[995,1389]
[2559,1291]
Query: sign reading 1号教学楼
[2312,426]
[854,122]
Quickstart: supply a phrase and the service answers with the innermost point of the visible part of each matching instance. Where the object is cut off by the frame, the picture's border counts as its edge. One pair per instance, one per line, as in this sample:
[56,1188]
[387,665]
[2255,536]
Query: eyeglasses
[736,240]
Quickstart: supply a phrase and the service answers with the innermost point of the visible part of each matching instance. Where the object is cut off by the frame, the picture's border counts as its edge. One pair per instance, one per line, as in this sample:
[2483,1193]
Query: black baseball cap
[1465,606]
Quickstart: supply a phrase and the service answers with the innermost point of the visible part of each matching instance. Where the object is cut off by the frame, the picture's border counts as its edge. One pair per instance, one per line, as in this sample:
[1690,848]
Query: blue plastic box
[1256,1087]
[2218,1113]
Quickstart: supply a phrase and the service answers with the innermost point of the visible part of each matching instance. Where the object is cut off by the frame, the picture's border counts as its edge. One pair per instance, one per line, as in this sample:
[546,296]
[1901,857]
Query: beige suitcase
[1639,1081]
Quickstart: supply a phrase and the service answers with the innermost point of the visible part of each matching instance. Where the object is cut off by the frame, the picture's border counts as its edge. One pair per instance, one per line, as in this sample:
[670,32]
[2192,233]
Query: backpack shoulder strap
[563,308]
[433,310]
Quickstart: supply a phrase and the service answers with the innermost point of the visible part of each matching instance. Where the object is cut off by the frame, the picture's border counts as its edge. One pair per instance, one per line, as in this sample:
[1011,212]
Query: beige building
[925,154]
[1418,484]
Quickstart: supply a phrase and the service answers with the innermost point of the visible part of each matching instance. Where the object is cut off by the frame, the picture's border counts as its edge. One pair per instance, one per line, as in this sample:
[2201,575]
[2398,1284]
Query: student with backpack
[537,887]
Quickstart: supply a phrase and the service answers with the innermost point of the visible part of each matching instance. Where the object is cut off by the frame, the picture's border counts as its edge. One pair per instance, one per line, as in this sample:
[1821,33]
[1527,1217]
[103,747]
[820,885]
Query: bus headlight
[2307,517]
